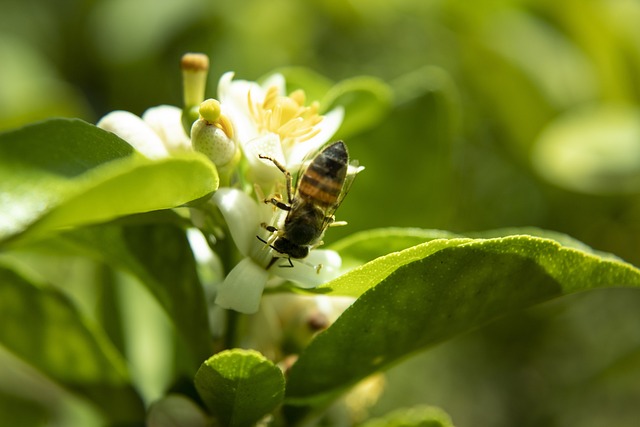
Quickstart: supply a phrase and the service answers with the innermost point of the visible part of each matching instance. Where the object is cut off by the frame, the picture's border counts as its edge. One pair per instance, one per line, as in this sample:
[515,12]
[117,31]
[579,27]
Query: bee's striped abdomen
[322,181]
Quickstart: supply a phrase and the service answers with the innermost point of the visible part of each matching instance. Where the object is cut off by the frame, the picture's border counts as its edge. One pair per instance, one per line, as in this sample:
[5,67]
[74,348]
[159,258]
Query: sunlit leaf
[367,245]
[444,289]
[240,386]
[62,173]
[359,280]
[42,327]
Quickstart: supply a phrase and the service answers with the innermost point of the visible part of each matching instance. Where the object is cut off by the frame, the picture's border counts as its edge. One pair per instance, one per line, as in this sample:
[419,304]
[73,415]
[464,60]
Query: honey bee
[321,186]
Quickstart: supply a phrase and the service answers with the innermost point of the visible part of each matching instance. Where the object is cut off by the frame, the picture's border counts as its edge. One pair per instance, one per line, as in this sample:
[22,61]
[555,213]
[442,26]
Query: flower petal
[233,96]
[136,132]
[328,127]
[166,122]
[264,172]
[242,288]
[241,215]
[305,273]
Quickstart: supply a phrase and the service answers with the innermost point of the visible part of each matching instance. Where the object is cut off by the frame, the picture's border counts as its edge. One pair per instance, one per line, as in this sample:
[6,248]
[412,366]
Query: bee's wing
[352,170]
[306,161]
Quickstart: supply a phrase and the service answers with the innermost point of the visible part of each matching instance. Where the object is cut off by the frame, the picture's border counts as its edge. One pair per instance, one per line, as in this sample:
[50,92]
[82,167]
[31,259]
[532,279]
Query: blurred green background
[503,113]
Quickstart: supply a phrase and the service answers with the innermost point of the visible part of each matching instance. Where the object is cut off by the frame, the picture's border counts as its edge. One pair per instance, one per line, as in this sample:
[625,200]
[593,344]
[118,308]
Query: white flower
[262,120]
[268,122]
[242,289]
[157,134]
[160,133]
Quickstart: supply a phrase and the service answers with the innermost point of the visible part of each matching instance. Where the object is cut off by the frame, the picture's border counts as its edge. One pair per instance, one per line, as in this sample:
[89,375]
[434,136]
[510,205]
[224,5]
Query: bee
[321,186]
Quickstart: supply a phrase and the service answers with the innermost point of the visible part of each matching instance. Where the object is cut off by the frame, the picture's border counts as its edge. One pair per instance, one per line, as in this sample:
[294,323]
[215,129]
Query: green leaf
[366,101]
[446,289]
[42,327]
[160,256]
[61,173]
[359,280]
[420,416]
[365,246]
[240,386]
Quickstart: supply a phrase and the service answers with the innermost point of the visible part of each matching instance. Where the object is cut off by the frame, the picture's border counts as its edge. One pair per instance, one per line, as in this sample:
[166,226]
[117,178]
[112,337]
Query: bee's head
[286,246]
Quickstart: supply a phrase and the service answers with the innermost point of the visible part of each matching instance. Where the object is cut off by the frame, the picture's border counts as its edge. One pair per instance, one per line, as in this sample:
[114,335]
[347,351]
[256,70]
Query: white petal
[224,86]
[233,97]
[264,172]
[166,122]
[328,127]
[241,215]
[242,288]
[135,131]
[305,273]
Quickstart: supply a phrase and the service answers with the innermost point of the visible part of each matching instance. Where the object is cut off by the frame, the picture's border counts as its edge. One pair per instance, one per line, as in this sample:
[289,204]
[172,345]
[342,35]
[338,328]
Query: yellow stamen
[286,116]
[299,96]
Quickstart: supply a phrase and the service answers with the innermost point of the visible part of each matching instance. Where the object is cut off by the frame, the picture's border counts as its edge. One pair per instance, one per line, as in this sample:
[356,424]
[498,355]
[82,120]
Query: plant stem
[231,336]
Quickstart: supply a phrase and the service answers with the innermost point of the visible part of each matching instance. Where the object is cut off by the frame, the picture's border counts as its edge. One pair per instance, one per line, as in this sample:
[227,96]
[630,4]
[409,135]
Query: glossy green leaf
[359,280]
[365,246]
[61,173]
[365,99]
[421,416]
[446,288]
[160,256]
[240,387]
[42,327]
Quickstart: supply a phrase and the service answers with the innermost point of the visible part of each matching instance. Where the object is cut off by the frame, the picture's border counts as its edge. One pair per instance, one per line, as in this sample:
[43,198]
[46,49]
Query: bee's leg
[273,261]
[286,173]
[275,233]
[317,268]
[279,204]
[287,266]
[267,227]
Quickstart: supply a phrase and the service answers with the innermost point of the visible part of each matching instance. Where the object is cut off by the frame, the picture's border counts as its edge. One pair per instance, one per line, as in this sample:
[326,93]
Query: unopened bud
[195,67]
[213,142]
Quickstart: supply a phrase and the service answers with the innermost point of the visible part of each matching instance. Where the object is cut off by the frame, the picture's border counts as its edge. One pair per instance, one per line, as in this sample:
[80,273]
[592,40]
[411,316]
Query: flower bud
[195,67]
[213,142]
